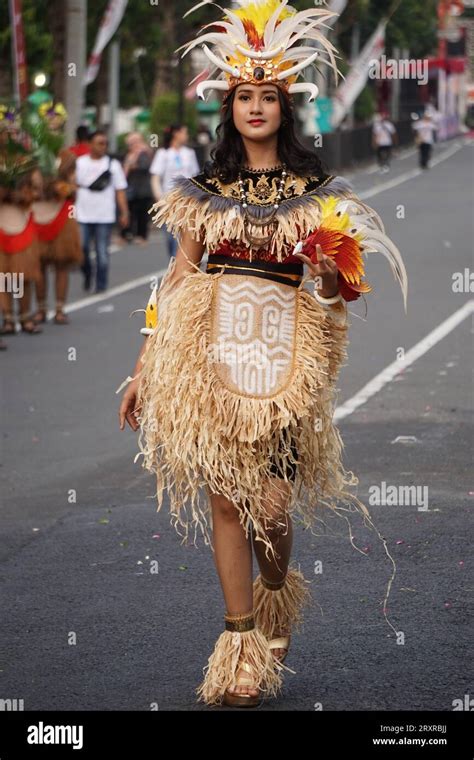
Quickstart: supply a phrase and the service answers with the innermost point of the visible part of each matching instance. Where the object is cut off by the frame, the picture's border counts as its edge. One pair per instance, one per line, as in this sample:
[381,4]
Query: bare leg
[274,568]
[41,295]
[281,536]
[233,559]
[27,322]
[6,305]
[62,282]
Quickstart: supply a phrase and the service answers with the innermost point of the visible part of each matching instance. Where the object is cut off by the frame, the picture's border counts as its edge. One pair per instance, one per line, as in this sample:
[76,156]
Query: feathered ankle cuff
[241,642]
[278,608]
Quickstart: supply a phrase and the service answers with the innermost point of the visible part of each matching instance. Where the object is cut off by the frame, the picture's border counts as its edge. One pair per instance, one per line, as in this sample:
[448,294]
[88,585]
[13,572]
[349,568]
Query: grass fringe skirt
[198,436]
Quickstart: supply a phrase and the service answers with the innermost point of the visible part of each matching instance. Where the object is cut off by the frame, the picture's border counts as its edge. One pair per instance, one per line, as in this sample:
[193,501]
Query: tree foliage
[157,29]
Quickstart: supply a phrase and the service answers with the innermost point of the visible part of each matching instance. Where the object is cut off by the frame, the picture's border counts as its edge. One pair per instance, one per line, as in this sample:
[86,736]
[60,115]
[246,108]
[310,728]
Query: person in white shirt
[384,136]
[433,113]
[174,160]
[96,208]
[425,129]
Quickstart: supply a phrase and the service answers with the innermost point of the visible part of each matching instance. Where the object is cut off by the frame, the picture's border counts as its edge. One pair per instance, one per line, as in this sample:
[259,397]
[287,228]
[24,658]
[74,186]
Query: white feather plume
[284,33]
[367,222]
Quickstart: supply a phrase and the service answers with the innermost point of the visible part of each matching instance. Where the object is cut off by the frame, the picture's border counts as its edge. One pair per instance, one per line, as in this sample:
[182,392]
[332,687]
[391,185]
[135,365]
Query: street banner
[20,73]
[355,81]
[110,23]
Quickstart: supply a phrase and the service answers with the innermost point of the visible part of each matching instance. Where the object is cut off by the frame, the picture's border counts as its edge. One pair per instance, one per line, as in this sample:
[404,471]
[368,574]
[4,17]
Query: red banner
[18,51]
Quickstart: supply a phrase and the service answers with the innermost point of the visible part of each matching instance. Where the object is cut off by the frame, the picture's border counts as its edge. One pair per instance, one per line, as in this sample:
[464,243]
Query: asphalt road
[85,625]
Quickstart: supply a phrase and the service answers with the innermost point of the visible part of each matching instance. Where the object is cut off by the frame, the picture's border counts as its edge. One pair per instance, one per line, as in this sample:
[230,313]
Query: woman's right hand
[128,410]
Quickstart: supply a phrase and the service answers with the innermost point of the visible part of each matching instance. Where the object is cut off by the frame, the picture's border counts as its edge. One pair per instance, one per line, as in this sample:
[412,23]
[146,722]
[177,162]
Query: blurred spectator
[425,129]
[434,114]
[136,167]
[384,136]
[81,146]
[174,160]
[101,185]
[58,236]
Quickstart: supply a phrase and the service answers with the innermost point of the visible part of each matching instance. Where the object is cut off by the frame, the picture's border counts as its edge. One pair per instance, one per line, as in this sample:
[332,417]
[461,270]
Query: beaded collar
[262,185]
[262,171]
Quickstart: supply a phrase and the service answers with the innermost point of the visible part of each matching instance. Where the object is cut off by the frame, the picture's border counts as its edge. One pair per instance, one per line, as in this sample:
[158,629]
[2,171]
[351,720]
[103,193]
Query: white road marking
[110,293]
[373,168]
[393,369]
[407,153]
[364,194]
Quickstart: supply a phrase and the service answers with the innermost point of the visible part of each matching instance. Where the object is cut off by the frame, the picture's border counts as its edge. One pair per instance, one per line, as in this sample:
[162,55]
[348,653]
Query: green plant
[165,112]
[364,107]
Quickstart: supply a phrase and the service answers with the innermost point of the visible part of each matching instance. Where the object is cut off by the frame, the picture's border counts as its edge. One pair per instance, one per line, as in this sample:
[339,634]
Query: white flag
[110,23]
[355,81]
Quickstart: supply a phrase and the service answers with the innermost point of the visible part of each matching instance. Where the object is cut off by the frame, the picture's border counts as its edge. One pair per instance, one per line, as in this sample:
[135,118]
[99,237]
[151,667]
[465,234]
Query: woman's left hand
[324,272]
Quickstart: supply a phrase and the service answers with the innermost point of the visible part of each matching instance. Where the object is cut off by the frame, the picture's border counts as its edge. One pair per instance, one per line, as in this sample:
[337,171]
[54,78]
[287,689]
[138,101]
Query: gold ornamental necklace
[251,220]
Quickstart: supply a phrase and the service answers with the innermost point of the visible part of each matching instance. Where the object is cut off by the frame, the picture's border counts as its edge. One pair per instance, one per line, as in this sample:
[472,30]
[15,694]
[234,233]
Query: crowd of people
[130,189]
[385,137]
[54,220]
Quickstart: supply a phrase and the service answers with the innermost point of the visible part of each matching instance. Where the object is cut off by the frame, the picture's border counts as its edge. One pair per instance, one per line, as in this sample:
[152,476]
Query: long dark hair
[169,133]
[229,154]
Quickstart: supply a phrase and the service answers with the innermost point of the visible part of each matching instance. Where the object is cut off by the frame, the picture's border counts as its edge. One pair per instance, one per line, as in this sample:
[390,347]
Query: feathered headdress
[45,126]
[15,162]
[258,44]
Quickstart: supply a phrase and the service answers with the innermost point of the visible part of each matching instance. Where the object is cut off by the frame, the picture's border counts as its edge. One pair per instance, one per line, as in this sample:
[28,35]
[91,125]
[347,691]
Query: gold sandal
[8,327]
[241,657]
[231,699]
[28,326]
[60,318]
[282,642]
[41,313]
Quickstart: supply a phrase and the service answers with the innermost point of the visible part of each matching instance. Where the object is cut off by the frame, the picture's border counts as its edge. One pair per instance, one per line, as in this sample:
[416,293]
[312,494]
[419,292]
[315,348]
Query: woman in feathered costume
[56,225]
[234,389]
[19,254]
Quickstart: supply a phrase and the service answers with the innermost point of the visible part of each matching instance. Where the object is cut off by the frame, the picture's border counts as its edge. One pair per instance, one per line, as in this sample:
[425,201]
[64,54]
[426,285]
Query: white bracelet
[127,380]
[327,301]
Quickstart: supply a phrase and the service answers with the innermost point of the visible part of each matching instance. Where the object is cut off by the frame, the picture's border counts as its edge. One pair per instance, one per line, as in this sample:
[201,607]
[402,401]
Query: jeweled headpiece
[257,43]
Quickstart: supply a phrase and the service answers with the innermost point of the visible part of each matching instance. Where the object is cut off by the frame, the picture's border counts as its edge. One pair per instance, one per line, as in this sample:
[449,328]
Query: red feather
[252,35]
[346,252]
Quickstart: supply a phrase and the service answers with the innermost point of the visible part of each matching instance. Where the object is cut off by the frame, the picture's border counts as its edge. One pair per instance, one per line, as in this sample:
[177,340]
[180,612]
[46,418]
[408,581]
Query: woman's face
[181,136]
[256,111]
[133,141]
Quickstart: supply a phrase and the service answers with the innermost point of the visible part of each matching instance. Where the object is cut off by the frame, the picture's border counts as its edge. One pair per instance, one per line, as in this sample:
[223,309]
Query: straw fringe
[280,612]
[231,649]
[65,249]
[25,262]
[195,432]
[217,218]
